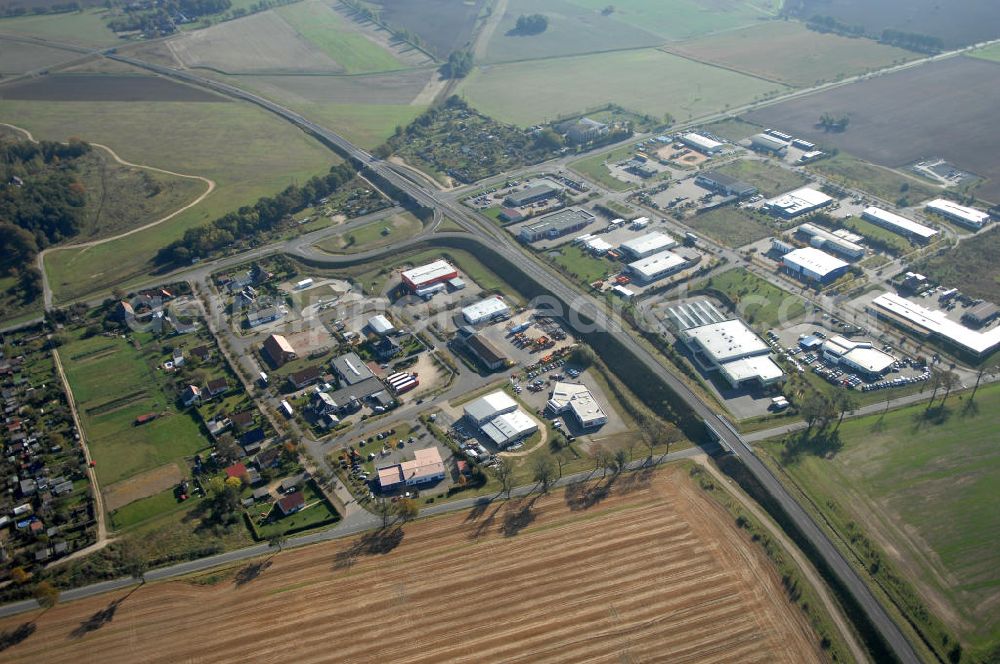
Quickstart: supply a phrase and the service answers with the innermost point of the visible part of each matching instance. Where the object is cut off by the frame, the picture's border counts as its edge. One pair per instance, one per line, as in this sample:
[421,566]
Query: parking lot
[542,337]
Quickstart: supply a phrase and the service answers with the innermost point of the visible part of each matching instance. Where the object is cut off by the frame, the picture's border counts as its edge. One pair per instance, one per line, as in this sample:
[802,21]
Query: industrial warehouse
[647,245]
[701,143]
[500,419]
[960,214]
[811,264]
[431,274]
[485,311]
[578,400]
[821,238]
[556,225]
[797,203]
[725,344]
[898,224]
[657,266]
[933,324]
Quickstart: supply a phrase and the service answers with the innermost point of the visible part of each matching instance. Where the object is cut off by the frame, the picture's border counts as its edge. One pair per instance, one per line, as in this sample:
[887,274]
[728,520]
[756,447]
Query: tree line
[912,41]
[252,221]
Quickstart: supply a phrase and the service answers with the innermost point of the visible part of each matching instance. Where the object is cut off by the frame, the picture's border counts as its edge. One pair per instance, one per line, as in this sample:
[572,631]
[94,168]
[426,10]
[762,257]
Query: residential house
[242,420]
[304,378]
[291,503]
[278,350]
[217,387]
[387,348]
[191,395]
[252,437]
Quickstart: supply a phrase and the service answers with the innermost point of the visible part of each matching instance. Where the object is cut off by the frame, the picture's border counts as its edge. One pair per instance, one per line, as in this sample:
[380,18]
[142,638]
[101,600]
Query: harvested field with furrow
[653,572]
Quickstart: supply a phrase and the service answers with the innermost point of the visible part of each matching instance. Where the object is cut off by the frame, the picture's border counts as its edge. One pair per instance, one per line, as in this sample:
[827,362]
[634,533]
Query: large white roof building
[815,265]
[577,399]
[656,266]
[966,216]
[509,428]
[798,202]
[821,238]
[898,224]
[701,143]
[648,244]
[734,350]
[486,407]
[935,324]
[426,275]
[485,310]
[858,355]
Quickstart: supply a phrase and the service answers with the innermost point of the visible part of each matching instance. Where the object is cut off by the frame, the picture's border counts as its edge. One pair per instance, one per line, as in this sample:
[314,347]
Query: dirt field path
[641,567]
[812,576]
[102,527]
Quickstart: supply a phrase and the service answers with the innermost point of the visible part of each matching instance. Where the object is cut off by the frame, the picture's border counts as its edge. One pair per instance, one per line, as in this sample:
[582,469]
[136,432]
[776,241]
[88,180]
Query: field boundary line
[102,528]
[708,63]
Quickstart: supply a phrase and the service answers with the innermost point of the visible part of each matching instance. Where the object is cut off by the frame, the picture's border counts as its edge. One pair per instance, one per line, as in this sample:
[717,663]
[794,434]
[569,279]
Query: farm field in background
[338,37]
[924,491]
[261,43]
[19,57]
[106,88]
[246,151]
[572,30]
[673,551]
[685,19]
[442,25]
[958,23]
[647,81]
[942,109]
[84,28]
[790,53]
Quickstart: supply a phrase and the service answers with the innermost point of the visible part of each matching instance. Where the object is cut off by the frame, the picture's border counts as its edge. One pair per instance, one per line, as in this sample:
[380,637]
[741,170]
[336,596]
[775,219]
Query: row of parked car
[896,382]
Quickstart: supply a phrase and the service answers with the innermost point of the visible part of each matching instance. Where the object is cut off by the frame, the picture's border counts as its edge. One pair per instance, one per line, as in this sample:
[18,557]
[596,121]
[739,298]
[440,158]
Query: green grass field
[991,52]
[757,301]
[366,125]
[926,494]
[770,178]
[730,226]
[876,180]
[595,167]
[571,30]
[684,19]
[245,150]
[898,243]
[732,129]
[579,262]
[85,28]
[144,509]
[789,53]
[646,81]
[335,36]
[113,383]
[371,236]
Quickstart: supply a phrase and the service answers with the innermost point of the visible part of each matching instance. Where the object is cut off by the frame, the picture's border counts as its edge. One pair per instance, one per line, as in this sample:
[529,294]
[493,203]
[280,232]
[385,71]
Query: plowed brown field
[653,571]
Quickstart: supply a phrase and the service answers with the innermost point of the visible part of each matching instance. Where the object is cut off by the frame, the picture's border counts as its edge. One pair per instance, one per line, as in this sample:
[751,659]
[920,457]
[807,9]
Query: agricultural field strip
[671,600]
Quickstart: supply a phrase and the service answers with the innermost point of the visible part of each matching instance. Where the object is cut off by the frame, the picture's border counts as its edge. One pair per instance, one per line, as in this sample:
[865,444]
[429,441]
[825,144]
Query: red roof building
[236,470]
[291,503]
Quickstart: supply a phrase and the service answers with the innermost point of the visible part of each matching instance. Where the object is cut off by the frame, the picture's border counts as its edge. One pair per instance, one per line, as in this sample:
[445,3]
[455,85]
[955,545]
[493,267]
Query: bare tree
[620,460]
[814,409]
[844,402]
[543,470]
[407,509]
[937,380]
[277,541]
[601,456]
[383,508]
[653,432]
[504,470]
[990,369]
[949,380]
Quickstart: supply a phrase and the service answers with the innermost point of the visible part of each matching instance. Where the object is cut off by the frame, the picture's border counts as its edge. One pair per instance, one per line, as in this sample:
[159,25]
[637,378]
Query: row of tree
[912,41]
[250,222]
[831,122]
[459,64]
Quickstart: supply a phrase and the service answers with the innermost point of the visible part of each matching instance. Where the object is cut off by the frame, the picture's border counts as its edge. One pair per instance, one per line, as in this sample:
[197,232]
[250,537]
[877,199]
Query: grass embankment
[757,301]
[246,151]
[911,494]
